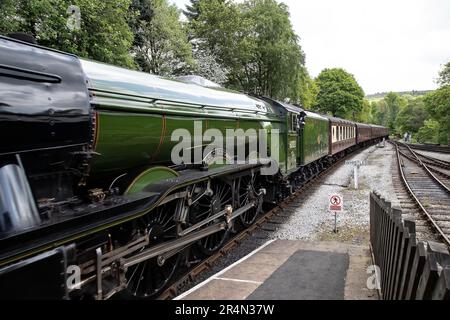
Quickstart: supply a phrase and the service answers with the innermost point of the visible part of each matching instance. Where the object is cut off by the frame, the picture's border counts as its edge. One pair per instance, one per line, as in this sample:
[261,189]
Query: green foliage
[206,66]
[308,90]
[192,11]
[220,31]
[412,117]
[10,21]
[161,45]
[104,34]
[429,132]
[255,41]
[437,105]
[394,103]
[339,93]
[380,114]
[444,76]
[365,115]
[411,94]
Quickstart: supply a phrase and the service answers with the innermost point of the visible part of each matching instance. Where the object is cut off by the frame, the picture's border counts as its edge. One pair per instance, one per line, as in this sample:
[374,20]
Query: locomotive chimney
[22,36]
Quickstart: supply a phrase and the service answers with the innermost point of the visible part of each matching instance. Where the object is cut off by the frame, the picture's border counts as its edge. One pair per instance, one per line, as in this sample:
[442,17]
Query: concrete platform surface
[292,270]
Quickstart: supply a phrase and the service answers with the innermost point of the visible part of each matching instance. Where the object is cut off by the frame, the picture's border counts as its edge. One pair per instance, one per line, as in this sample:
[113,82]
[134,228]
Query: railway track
[429,147]
[426,182]
[191,275]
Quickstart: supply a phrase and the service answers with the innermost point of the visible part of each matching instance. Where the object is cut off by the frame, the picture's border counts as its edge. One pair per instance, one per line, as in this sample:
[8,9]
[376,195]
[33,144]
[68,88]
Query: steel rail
[427,169]
[413,195]
[431,148]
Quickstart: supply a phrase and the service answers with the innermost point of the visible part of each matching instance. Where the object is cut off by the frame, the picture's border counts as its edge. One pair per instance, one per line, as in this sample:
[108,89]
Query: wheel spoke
[246,192]
[216,203]
[144,264]
[147,279]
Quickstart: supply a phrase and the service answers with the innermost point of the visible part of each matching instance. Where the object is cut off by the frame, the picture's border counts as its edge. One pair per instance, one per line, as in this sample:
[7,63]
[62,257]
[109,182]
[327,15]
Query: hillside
[381,95]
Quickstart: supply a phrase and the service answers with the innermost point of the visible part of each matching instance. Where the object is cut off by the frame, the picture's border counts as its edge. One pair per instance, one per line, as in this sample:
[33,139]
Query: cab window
[294,122]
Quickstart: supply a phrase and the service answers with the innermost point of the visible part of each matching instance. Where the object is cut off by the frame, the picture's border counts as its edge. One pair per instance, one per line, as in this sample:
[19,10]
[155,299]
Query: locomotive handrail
[31,75]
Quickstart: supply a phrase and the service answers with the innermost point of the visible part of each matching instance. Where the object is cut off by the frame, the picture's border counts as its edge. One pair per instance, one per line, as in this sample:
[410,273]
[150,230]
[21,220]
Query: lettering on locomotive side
[237,147]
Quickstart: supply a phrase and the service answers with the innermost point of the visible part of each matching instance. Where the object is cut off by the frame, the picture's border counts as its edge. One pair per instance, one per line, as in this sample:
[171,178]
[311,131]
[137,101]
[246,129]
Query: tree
[339,93]
[308,90]
[412,117]
[161,45]
[365,115]
[277,64]
[437,104]
[255,41]
[104,34]
[429,132]
[394,104]
[206,66]
[444,76]
[192,11]
[377,113]
[10,21]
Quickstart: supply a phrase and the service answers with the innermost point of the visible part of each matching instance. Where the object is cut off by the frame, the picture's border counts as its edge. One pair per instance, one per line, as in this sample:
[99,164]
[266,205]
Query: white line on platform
[223,271]
[238,280]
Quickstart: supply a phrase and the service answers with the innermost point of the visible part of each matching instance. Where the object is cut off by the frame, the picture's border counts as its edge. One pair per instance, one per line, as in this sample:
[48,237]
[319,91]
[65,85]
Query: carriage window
[294,122]
[333,134]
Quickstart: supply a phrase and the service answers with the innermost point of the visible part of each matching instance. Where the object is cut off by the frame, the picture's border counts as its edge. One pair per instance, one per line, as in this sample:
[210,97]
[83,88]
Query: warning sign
[336,203]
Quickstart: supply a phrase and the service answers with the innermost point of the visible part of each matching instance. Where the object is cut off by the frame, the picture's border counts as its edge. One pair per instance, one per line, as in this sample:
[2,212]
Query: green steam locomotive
[107,185]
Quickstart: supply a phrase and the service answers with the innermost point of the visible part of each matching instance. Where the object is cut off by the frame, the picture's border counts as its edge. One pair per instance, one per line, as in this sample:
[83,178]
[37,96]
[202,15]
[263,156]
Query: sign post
[355,173]
[336,205]
[356,164]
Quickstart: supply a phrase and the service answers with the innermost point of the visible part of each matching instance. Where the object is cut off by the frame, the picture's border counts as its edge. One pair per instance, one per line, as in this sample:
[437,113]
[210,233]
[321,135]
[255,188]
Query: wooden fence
[409,269]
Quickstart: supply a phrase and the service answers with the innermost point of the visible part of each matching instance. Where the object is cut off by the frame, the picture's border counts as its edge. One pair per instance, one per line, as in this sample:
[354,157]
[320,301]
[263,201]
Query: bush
[429,133]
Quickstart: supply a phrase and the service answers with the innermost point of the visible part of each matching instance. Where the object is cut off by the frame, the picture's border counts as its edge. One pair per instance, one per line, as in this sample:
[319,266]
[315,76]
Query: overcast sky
[389,45]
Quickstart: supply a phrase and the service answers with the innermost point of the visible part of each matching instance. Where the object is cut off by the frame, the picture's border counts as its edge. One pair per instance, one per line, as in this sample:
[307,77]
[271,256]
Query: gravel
[310,216]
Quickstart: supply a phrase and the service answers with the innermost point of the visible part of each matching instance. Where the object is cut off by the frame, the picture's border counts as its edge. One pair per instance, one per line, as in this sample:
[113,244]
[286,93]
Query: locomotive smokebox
[44,102]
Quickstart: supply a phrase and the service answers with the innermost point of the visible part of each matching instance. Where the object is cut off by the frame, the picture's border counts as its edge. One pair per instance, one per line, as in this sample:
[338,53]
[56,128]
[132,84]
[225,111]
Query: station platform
[292,270]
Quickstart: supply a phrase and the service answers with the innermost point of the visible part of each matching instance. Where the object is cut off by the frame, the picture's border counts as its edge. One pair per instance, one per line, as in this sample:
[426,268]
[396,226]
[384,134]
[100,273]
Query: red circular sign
[335,200]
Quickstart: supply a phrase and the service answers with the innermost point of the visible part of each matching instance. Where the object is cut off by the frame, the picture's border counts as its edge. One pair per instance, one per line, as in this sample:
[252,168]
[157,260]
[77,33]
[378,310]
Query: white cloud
[388,45]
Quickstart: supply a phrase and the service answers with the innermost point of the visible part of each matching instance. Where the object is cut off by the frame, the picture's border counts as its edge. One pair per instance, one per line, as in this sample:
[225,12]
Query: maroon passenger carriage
[342,135]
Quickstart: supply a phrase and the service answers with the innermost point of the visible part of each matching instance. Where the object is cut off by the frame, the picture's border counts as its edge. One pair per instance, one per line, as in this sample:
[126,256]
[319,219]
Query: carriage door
[292,141]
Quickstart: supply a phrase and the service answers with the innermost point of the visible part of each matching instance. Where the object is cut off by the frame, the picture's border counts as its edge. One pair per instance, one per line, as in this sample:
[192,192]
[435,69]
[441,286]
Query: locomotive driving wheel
[246,194]
[149,278]
[207,206]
